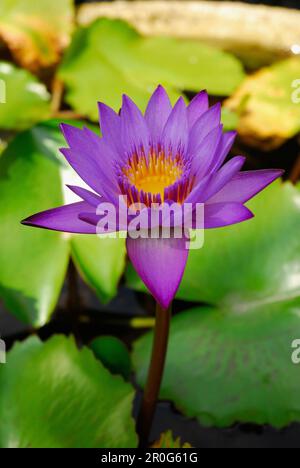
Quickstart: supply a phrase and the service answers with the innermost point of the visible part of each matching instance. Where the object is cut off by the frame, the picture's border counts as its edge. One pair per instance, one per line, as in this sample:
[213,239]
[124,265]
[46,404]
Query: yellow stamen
[155,174]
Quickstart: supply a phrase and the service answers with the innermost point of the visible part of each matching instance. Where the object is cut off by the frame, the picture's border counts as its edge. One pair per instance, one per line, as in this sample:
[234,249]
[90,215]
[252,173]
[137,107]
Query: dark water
[283,3]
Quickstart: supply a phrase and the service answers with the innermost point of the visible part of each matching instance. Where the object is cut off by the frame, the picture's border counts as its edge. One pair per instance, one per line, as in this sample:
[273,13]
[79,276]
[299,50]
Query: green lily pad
[269,104]
[55,396]
[109,58]
[113,354]
[36,32]
[23,100]
[101,262]
[227,365]
[248,262]
[34,261]
[229,119]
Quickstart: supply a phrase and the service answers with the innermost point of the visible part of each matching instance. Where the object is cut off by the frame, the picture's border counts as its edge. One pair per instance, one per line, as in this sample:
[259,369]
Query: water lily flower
[169,154]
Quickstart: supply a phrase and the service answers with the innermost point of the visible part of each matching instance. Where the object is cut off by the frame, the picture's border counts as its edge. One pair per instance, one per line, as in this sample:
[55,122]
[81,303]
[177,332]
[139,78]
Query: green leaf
[55,396]
[109,58]
[36,32]
[23,100]
[248,262]
[33,261]
[269,104]
[101,262]
[230,119]
[113,354]
[231,364]
[3,144]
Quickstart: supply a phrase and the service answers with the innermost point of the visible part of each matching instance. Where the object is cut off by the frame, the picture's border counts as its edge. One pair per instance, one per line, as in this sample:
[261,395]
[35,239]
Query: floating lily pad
[229,119]
[55,396]
[100,261]
[231,364]
[109,58]
[269,104]
[23,100]
[113,354]
[34,261]
[36,32]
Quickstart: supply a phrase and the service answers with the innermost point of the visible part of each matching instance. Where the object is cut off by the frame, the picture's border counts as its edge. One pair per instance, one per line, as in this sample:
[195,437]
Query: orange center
[154,174]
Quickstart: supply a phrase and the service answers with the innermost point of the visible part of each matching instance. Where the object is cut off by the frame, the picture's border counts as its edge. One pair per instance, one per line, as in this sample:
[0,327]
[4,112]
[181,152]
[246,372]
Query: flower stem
[155,373]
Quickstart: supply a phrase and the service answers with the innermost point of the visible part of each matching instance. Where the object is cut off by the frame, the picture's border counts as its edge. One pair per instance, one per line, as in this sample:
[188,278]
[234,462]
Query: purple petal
[102,153]
[204,125]
[134,132]
[90,217]
[92,159]
[157,113]
[213,182]
[223,149]
[86,195]
[175,133]
[197,195]
[202,160]
[160,263]
[224,175]
[64,218]
[90,173]
[198,105]
[89,144]
[245,185]
[110,124]
[223,214]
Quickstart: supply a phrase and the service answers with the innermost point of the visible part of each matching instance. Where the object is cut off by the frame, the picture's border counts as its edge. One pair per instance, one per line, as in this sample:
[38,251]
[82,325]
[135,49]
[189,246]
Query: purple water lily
[168,155]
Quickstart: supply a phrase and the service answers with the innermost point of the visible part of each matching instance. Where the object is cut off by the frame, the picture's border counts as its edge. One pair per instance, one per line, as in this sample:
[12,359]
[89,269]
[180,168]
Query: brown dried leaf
[167,441]
[269,104]
[36,32]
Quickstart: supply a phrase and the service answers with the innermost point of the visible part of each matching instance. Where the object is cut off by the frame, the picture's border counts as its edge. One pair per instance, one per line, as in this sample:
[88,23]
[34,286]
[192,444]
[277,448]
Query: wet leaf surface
[24,101]
[109,58]
[225,365]
[55,396]
[113,354]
